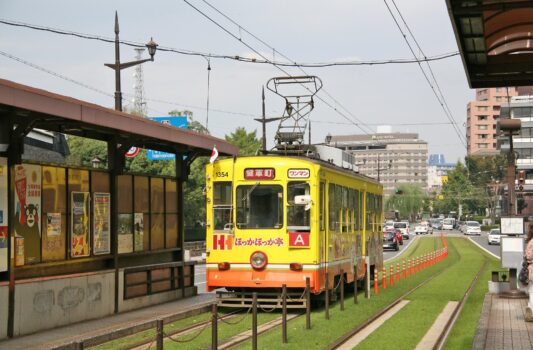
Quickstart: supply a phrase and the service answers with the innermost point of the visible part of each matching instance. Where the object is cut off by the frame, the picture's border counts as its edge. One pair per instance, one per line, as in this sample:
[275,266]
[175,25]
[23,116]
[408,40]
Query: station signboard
[178,122]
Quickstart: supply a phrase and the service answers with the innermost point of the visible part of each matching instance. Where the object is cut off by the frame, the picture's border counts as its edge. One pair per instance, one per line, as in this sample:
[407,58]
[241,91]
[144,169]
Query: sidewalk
[502,325]
[86,330]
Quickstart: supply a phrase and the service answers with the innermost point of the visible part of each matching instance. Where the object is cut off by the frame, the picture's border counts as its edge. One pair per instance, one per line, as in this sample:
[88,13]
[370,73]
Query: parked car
[390,241]
[423,228]
[472,228]
[403,227]
[494,236]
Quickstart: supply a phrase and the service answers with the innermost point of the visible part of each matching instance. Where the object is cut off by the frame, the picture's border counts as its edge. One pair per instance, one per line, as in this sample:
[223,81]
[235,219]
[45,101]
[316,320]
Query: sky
[303,30]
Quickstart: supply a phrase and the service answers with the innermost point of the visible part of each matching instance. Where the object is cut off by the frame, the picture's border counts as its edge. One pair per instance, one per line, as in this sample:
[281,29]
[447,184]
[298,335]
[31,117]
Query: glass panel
[321,201]
[331,206]
[259,206]
[297,215]
[54,226]
[171,196]
[157,195]
[125,194]
[222,207]
[222,193]
[99,181]
[157,231]
[172,230]
[78,180]
[142,197]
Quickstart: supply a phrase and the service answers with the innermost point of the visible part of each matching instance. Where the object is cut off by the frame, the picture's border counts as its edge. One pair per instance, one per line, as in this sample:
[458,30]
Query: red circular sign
[132,152]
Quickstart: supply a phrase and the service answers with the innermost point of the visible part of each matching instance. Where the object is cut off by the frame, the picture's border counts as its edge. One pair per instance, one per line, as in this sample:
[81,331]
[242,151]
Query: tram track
[354,332]
[441,340]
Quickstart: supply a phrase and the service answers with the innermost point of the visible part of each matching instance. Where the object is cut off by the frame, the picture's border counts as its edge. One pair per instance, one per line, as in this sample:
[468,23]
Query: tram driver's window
[222,206]
[259,206]
[298,215]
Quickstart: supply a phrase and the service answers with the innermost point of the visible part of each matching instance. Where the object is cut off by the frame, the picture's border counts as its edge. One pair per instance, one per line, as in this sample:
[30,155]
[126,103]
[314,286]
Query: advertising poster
[125,236]
[27,219]
[101,223]
[138,228]
[53,225]
[79,235]
[19,251]
[3,214]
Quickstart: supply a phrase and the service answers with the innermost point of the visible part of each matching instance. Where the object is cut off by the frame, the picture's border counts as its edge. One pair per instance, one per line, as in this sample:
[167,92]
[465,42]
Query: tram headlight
[258,260]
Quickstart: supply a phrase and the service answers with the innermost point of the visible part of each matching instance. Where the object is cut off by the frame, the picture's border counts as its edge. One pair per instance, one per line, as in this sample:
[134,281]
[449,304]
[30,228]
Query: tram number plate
[298,239]
[222,174]
[298,173]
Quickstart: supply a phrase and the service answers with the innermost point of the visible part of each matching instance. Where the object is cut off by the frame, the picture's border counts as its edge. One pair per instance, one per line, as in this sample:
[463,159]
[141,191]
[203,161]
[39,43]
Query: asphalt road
[481,240]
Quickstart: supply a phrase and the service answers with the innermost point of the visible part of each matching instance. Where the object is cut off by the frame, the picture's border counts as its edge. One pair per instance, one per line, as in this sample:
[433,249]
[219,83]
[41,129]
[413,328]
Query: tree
[248,143]
[409,200]
[83,151]
[460,191]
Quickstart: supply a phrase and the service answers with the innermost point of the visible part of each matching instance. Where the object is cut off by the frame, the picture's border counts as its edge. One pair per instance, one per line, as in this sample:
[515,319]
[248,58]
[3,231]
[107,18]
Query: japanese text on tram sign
[259,242]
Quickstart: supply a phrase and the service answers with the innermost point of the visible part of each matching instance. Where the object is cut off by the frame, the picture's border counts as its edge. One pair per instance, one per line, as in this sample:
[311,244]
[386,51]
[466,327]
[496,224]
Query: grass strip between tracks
[410,325]
[324,332]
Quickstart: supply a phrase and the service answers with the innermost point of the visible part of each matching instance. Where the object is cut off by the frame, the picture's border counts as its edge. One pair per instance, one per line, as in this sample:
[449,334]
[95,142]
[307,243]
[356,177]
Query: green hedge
[489,227]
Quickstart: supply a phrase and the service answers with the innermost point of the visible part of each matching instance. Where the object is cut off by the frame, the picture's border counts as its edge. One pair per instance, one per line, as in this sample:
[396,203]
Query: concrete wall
[4,296]
[52,302]
[158,298]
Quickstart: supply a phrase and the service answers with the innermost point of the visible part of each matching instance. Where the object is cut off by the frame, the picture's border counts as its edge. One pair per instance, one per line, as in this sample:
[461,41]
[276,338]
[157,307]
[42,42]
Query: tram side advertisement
[3,214]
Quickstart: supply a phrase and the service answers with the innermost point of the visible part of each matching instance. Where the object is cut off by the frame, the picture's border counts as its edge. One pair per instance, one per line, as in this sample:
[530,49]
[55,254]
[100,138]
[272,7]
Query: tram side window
[338,208]
[259,206]
[332,207]
[298,216]
[222,205]
[356,209]
[369,209]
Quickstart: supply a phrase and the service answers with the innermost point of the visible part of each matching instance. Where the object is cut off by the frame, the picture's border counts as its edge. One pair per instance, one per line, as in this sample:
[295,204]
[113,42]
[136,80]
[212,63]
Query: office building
[392,158]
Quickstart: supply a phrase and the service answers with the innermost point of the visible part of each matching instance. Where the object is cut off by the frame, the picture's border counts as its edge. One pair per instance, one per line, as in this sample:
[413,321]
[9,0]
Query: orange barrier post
[403,269]
[376,284]
[391,275]
[425,261]
[397,272]
[408,267]
[384,278]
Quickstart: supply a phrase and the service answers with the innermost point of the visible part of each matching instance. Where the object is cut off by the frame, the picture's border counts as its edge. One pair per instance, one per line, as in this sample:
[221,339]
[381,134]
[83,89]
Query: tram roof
[319,162]
[54,112]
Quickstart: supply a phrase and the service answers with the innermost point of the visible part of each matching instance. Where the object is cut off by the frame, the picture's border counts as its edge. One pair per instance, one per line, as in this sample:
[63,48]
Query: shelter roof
[54,112]
[495,38]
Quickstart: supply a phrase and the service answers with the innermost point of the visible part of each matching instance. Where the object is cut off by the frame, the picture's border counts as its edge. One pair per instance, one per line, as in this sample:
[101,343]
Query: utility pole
[264,120]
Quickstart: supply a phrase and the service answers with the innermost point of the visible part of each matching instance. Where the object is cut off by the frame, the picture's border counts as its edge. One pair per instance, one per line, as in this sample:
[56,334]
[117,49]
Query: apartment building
[482,115]
[392,158]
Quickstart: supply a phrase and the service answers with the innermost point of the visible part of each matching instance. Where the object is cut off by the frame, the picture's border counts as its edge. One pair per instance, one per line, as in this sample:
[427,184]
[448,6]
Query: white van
[448,224]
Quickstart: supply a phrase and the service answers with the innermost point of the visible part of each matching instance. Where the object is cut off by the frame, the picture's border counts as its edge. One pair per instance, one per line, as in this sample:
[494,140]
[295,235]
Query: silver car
[494,236]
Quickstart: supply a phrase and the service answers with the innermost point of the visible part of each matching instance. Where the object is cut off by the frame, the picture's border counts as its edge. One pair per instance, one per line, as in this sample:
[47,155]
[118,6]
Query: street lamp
[389,165]
[117,66]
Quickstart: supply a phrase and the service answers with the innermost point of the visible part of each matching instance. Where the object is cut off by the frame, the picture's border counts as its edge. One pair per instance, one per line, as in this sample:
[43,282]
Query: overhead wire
[63,77]
[274,51]
[441,103]
[358,125]
[237,58]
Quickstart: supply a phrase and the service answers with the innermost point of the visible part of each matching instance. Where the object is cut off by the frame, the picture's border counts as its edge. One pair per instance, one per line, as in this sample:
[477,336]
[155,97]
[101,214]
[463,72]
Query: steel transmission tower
[139,104]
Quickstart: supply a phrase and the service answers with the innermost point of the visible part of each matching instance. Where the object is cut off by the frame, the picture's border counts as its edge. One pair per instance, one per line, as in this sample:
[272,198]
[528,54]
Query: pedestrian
[529,257]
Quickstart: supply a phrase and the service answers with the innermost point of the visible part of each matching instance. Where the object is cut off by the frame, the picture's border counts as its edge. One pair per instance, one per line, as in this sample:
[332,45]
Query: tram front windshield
[298,216]
[259,206]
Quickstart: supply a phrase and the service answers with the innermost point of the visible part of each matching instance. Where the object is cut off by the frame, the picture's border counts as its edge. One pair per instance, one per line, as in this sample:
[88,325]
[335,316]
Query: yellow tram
[274,220]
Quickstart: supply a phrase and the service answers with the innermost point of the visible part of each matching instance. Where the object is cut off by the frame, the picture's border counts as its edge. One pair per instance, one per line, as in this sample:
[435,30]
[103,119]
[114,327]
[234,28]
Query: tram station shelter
[82,243]
[495,39]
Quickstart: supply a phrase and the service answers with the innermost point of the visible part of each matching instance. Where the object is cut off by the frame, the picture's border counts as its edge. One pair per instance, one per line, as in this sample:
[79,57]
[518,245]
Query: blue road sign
[178,122]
